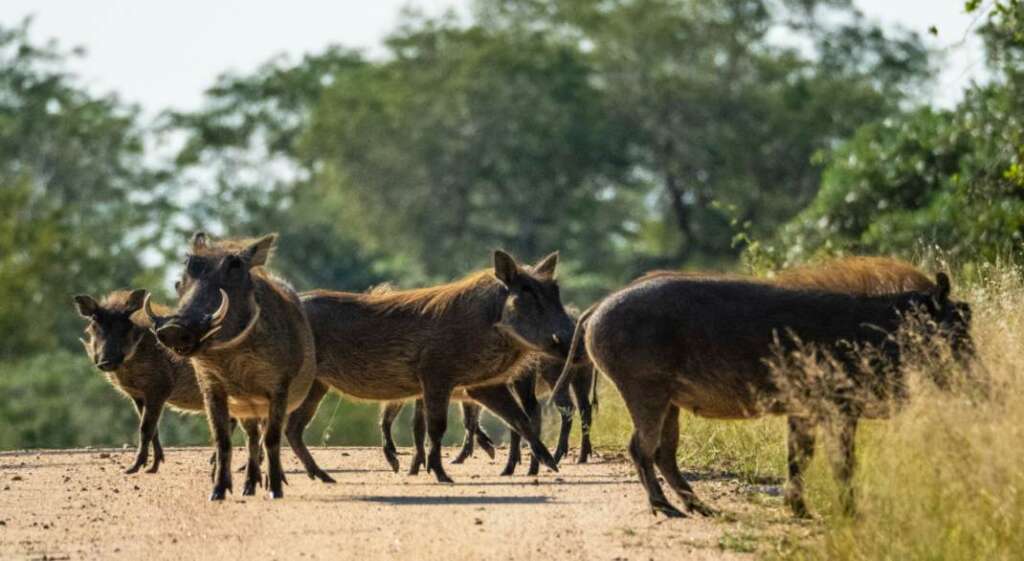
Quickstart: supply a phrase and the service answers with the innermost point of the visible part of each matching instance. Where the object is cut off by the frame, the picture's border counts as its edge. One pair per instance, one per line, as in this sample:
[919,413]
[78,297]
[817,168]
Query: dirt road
[79,504]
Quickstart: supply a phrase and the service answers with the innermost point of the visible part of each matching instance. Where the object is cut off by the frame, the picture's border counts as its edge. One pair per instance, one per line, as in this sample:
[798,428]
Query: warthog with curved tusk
[246,334]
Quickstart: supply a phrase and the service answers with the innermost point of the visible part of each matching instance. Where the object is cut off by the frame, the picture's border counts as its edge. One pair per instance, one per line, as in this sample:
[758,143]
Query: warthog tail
[573,348]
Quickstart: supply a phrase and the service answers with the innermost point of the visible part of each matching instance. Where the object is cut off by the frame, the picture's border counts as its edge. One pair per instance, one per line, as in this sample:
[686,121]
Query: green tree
[929,177]
[243,172]
[467,139]
[75,198]
[722,114]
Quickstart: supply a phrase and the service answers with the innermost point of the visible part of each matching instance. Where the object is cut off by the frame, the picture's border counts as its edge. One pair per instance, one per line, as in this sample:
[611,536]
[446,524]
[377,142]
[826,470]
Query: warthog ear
[258,253]
[546,267]
[199,240]
[85,305]
[942,287]
[505,267]
[135,300]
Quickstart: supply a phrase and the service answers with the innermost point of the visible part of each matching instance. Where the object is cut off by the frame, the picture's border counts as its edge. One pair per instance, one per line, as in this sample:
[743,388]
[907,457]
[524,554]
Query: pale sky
[163,54]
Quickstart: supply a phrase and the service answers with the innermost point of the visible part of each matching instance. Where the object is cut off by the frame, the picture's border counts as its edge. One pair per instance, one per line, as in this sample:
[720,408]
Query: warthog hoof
[322,475]
[465,453]
[391,455]
[219,492]
[695,505]
[250,487]
[663,507]
[485,443]
[417,461]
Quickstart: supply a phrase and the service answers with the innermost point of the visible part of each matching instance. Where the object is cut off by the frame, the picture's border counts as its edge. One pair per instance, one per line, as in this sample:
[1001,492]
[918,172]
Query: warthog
[246,334]
[547,369]
[121,345]
[584,384]
[671,341]
[474,334]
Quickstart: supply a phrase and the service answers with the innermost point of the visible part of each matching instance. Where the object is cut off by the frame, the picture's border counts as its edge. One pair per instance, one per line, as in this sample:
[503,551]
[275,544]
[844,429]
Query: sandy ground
[78,504]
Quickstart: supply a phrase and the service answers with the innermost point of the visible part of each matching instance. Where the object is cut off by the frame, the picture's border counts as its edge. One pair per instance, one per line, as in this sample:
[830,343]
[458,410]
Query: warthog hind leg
[648,411]
[435,409]
[669,467]
[388,413]
[297,422]
[419,435]
[501,402]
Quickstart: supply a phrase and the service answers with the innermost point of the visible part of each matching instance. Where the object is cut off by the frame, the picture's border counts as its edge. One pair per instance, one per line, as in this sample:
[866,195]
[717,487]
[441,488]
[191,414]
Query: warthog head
[533,314]
[112,335]
[950,319]
[217,306]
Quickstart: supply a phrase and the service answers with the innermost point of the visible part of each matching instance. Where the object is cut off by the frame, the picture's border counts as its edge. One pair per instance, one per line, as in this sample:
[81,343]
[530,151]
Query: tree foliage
[951,179]
[74,196]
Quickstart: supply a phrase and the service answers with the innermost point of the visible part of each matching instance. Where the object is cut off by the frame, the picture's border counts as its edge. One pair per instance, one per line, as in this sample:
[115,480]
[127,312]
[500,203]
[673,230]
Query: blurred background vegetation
[629,134]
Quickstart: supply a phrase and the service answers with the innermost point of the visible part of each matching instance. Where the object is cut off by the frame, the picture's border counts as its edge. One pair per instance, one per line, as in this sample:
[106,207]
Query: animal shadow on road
[447,500]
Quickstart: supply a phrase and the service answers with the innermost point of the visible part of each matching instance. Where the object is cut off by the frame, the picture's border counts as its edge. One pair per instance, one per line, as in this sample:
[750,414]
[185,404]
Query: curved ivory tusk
[222,311]
[147,307]
[244,334]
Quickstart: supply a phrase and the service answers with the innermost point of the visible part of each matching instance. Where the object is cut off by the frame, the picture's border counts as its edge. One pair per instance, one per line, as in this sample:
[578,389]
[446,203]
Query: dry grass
[942,479]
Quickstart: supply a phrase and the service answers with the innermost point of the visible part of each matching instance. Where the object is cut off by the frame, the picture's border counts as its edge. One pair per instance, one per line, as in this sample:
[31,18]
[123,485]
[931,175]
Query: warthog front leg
[800,444]
[669,467]
[501,402]
[213,455]
[297,422]
[277,411]
[844,464]
[252,466]
[471,422]
[388,413]
[526,389]
[149,417]
[435,408]
[219,419]
[419,435]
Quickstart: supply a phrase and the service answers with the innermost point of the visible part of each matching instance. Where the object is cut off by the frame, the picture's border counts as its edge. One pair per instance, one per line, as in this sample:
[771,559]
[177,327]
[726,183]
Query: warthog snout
[109,363]
[183,338]
[178,338]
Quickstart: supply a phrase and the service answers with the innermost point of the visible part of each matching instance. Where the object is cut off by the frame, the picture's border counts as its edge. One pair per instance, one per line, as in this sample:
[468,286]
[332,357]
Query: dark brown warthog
[524,387]
[584,384]
[121,345]
[470,421]
[246,334]
[703,343]
[474,334]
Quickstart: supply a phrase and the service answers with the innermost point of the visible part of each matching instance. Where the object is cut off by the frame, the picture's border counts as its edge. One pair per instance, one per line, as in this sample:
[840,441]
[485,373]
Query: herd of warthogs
[244,347]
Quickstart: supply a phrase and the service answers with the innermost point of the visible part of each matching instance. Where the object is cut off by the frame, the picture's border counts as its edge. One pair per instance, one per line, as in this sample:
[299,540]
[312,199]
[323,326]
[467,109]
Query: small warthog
[547,369]
[584,384]
[470,421]
[671,341]
[121,345]
[246,334]
[474,334]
